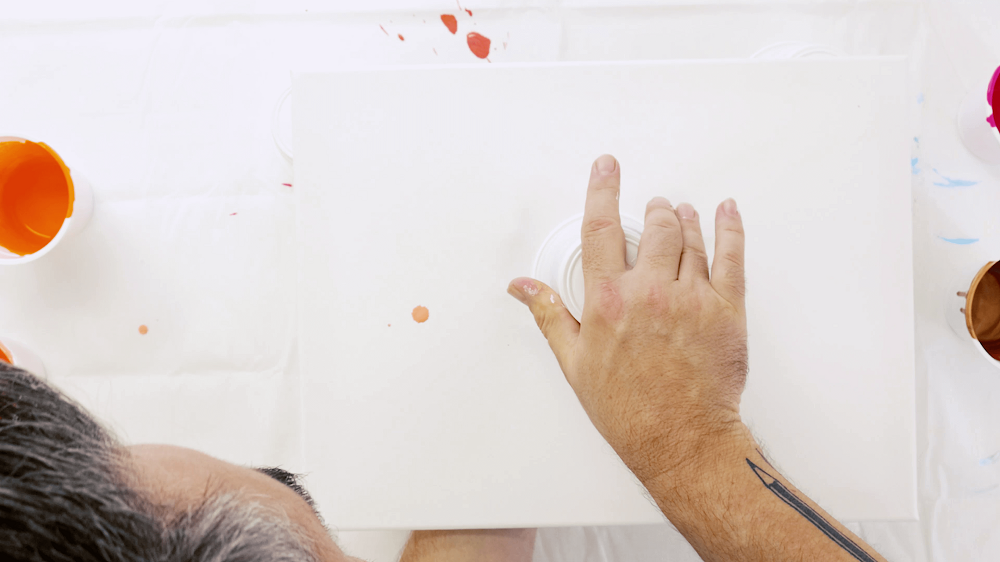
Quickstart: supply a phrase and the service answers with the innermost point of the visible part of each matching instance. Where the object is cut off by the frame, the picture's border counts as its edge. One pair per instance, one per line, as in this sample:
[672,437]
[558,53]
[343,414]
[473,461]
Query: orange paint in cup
[36,196]
[4,355]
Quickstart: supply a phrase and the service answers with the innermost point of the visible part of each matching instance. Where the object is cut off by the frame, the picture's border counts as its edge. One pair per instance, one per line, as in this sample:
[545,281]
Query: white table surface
[168,106]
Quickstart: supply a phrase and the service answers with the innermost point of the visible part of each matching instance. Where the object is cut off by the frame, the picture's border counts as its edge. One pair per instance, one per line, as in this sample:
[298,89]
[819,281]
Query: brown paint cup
[982,309]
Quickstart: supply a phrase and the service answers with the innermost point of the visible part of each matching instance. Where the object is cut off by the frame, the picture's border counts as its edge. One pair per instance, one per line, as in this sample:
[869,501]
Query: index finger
[602,238]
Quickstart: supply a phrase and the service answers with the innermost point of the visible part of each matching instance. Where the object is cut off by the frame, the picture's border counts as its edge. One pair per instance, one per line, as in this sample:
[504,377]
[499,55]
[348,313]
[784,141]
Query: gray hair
[67,494]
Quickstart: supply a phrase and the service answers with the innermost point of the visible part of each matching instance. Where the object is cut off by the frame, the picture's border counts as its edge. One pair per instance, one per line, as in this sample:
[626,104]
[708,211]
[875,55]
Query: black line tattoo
[785,495]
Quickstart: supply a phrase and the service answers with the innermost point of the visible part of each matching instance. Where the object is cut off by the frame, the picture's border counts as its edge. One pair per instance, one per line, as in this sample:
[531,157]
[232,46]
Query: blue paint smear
[959,241]
[916,140]
[990,459]
[913,166]
[920,98]
[951,182]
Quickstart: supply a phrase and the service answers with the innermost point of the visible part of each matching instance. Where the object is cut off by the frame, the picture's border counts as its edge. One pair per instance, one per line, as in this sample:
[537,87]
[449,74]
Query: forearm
[484,545]
[733,505]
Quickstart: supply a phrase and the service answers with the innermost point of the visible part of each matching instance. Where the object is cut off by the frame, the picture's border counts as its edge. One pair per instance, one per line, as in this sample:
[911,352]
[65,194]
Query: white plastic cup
[21,357]
[559,263]
[978,133]
[83,208]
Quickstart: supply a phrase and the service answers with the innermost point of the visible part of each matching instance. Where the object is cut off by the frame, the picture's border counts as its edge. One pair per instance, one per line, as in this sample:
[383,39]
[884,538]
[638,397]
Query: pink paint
[288,184]
[450,22]
[232,214]
[383,29]
[479,45]
[993,99]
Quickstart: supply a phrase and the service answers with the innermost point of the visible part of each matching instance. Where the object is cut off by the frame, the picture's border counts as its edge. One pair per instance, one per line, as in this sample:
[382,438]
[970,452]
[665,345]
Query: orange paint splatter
[383,29]
[4,357]
[400,35]
[421,314]
[36,196]
[450,22]
[143,330]
[479,45]
[469,12]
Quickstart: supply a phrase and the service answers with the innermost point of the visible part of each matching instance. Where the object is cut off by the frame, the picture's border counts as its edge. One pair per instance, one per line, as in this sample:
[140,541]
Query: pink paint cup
[977,124]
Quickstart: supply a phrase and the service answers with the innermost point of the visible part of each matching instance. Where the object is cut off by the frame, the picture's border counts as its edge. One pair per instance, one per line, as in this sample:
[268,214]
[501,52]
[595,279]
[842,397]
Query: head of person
[70,491]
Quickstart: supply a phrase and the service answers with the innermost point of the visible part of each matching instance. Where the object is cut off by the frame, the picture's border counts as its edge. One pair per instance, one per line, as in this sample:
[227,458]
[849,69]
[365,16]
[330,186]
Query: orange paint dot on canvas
[143,329]
[421,314]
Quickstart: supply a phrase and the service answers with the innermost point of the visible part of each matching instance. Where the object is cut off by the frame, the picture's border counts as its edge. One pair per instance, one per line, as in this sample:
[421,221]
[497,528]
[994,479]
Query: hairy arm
[483,545]
[733,505]
[659,363]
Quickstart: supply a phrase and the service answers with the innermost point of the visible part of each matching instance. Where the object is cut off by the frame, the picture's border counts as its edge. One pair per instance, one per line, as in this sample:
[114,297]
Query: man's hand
[661,358]
[659,364]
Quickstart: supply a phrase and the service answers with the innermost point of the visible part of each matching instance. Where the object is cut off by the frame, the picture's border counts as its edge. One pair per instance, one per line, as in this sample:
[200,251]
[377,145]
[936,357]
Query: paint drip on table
[421,314]
[478,44]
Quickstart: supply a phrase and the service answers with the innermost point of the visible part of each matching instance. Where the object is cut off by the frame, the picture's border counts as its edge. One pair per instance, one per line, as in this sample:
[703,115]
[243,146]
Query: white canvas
[436,186]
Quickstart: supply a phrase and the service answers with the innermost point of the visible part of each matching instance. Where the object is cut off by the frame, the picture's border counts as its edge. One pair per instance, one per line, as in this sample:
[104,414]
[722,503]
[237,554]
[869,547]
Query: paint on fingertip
[552,299]
[530,289]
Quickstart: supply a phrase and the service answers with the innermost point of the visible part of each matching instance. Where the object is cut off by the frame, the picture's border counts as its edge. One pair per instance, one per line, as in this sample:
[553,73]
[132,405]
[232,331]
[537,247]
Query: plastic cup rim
[62,229]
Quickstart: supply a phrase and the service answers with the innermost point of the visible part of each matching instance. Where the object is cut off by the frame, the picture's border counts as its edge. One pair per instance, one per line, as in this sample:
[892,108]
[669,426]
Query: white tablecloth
[167,106]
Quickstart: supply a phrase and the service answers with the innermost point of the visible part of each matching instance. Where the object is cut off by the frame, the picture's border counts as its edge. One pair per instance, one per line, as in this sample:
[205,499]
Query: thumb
[553,319]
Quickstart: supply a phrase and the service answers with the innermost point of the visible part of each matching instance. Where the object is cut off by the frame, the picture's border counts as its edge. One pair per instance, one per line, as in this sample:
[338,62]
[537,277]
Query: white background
[167,107]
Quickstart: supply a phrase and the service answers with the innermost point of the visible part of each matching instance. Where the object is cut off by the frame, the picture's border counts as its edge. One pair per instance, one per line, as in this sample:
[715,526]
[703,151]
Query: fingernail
[522,289]
[606,164]
[663,200]
[729,206]
[685,211]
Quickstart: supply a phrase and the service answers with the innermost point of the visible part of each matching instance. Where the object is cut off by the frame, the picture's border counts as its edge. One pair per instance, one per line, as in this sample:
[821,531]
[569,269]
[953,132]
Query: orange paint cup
[42,200]
[16,354]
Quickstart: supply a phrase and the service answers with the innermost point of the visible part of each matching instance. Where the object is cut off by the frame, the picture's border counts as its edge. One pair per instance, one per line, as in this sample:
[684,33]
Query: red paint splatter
[288,184]
[383,29]
[469,11]
[449,21]
[400,35]
[479,45]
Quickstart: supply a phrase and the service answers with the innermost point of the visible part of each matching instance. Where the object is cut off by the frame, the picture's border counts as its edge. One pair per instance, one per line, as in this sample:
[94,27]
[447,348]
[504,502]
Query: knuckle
[697,254]
[609,305]
[732,260]
[662,217]
[733,227]
[598,226]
